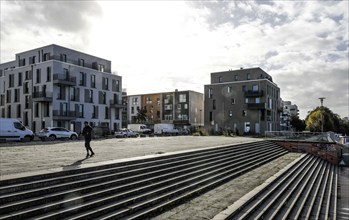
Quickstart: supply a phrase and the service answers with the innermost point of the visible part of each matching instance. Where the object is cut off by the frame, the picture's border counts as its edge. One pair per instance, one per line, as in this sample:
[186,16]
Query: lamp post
[200,118]
[322,114]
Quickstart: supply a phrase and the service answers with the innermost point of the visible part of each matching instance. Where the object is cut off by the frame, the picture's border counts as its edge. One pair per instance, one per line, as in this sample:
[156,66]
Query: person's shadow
[74,165]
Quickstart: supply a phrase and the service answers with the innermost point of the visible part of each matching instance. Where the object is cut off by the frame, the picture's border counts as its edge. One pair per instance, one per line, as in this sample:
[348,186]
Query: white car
[123,133]
[53,133]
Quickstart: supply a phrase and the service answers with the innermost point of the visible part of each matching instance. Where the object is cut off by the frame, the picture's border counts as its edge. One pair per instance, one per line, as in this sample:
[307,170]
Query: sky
[160,46]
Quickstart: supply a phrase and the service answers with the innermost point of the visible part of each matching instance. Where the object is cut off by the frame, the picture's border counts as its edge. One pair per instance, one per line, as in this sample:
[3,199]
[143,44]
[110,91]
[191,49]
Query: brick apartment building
[182,108]
[57,86]
[245,101]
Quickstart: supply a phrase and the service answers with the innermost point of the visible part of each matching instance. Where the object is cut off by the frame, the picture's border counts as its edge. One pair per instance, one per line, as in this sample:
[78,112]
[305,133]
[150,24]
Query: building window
[63,57]
[116,85]
[134,101]
[248,76]
[26,88]
[93,81]
[243,88]
[36,110]
[38,75]
[81,62]
[182,98]
[89,95]
[101,67]
[229,89]
[11,82]
[81,110]
[233,101]
[46,56]
[94,111]
[17,95]
[47,110]
[186,106]
[82,79]
[230,113]
[9,111]
[257,100]
[105,82]
[244,113]
[236,77]
[246,100]
[255,88]
[8,96]
[26,102]
[32,60]
[210,93]
[106,112]
[220,79]
[214,104]
[148,100]
[27,75]
[158,101]
[210,116]
[48,74]
[19,79]
[19,111]
[132,110]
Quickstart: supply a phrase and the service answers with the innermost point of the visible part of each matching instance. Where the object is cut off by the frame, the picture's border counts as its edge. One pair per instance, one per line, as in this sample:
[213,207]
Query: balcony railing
[251,93]
[65,115]
[42,96]
[116,104]
[256,106]
[64,79]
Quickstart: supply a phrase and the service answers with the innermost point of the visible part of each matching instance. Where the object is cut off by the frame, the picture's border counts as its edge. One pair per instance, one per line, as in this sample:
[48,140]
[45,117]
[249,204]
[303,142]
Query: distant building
[184,109]
[289,110]
[57,86]
[245,101]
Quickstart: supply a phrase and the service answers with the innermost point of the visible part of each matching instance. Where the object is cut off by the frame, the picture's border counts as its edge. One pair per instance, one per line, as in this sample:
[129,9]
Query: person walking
[87,132]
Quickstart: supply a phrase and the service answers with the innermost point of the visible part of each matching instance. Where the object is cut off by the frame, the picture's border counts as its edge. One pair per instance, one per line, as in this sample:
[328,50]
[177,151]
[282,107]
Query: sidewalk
[24,159]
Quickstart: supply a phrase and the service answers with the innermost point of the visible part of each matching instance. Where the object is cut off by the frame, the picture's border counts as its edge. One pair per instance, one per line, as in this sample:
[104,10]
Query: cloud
[167,45]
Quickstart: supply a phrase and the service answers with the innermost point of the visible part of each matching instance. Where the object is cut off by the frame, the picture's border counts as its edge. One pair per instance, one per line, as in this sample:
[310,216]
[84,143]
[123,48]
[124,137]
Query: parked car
[12,129]
[53,133]
[124,133]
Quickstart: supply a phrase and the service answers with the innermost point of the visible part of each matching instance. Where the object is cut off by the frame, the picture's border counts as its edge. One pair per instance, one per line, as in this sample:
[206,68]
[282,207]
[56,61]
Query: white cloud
[166,45]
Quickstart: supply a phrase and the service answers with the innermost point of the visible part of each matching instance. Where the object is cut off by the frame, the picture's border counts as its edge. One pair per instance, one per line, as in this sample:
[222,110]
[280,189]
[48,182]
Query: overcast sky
[159,46]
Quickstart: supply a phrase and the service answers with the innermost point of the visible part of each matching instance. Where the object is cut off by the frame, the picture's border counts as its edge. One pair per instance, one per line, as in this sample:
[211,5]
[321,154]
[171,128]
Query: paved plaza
[21,159]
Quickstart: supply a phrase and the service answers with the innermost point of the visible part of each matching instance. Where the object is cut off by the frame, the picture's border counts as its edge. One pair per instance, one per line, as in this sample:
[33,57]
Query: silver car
[124,133]
[53,133]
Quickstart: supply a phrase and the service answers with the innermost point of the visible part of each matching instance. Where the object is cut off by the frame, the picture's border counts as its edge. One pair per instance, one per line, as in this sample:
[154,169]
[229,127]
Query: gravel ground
[23,159]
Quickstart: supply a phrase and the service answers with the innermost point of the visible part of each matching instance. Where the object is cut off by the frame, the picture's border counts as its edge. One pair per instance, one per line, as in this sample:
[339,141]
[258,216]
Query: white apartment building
[57,86]
[289,110]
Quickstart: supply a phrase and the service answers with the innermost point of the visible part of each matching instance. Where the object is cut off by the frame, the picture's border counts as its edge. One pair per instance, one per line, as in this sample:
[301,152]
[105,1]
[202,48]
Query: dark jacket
[87,132]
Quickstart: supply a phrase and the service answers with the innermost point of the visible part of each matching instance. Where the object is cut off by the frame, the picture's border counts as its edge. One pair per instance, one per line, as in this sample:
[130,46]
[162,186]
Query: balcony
[64,115]
[42,97]
[256,106]
[251,93]
[64,80]
[116,104]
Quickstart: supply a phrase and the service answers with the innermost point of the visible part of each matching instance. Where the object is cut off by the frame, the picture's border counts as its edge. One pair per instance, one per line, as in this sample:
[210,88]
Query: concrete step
[140,185]
[305,191]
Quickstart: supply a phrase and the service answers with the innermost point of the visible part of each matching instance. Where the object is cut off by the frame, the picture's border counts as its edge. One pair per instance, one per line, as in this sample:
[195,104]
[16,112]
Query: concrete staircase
[307,190]
[130,190]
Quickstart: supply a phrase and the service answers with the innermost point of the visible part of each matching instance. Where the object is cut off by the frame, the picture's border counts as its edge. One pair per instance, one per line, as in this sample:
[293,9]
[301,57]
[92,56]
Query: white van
[140,128]
[165,129]
[12,130]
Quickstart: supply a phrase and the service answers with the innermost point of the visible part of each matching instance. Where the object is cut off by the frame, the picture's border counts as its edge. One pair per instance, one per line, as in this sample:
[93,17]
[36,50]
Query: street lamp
[200,118]
[322,114]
